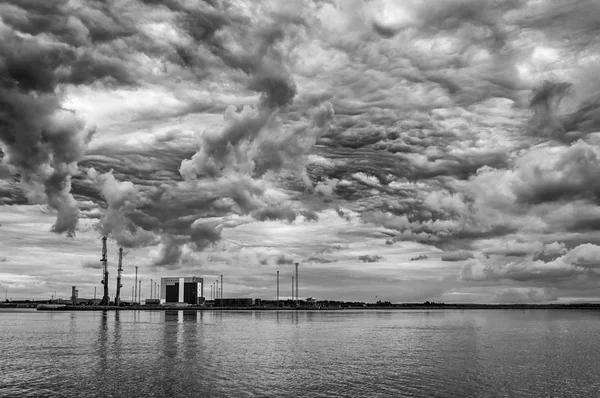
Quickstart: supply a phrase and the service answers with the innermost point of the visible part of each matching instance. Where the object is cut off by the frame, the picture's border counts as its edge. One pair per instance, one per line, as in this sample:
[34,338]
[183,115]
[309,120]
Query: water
[446,353]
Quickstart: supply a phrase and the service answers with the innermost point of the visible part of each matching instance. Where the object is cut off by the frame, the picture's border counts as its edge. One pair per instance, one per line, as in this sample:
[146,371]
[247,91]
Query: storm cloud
[354,135]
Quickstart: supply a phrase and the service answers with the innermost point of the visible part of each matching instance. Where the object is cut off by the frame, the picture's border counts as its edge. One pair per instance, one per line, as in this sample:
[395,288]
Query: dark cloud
[44,141]
[366,258]
[320,260]
[275,213]
[309,215]
[456,256]
[565,123]
[419,257]
[170,252]
[277,259]
[550,252]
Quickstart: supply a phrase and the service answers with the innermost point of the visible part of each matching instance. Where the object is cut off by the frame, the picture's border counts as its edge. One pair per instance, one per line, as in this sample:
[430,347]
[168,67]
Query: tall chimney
[293,288]
[221,289]
[135,284]
[278,288]
[296,284]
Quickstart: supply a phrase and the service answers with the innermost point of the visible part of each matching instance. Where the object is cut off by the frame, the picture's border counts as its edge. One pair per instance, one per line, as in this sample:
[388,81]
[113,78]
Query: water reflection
[102,341]
[304,354]
[118,345]
[190,316]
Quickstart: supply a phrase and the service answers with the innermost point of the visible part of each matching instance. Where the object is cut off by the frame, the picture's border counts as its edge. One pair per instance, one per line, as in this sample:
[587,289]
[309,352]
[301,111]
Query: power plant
[175,291]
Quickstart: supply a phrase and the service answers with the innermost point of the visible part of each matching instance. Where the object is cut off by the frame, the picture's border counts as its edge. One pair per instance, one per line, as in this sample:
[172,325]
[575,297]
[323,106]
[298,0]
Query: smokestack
[140,292]
[221,289]
[73,295]
[278,288]
[292,288]
[135,284]
[151,286]
[217,291]
[296,284]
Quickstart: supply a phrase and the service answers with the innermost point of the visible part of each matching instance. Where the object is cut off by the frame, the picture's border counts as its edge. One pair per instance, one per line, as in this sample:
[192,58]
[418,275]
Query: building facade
[189,290]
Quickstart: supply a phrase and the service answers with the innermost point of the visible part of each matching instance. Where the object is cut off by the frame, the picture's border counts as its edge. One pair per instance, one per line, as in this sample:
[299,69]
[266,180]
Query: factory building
[236,302]
[189,290]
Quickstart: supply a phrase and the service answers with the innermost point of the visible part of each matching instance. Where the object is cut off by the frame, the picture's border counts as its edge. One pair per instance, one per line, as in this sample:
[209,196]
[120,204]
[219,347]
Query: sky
[408,151]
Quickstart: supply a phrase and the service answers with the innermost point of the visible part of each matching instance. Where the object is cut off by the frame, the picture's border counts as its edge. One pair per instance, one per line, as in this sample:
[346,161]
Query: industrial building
[236,302]
[180,290]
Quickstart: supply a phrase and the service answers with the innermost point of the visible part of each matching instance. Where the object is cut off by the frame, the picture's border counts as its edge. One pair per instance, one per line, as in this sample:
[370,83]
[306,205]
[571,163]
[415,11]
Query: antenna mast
[105,299]
[119,270]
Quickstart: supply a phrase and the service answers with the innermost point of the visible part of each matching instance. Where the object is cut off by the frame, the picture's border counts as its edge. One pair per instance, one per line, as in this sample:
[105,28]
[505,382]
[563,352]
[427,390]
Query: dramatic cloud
[237,138]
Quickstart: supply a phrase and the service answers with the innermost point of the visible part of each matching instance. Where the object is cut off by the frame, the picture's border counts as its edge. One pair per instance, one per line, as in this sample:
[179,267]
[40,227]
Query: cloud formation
[351,136]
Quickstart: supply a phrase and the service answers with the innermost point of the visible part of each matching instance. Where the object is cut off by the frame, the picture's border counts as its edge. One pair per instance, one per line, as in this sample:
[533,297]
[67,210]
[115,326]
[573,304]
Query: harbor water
[361,353]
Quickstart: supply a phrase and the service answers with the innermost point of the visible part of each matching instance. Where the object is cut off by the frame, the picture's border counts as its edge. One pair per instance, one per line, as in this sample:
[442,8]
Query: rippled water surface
[448,353]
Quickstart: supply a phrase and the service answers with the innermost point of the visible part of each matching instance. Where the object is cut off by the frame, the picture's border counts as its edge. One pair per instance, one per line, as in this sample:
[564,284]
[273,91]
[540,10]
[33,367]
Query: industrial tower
[296,285]
[119,270]
[105,299]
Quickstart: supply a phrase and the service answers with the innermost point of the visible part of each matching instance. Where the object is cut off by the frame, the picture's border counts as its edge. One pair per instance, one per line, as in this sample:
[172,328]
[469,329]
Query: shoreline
[46,307]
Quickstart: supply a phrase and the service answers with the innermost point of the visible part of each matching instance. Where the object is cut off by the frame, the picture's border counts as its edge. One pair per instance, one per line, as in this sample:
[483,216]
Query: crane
[105,298]
[119,270]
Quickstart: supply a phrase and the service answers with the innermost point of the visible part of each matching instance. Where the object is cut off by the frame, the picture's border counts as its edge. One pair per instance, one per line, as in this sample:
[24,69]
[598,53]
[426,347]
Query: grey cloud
[574,266]
[320,260]
[180,239]
[122,199]
[284,260]
[570,177]
[419,257]
[577,23]
[331,249]
[275,213]
[456,256]
[532,295]
[92,264]
[310,215]
[97,22]
[278,259]
[569,122]
[550,252]
[38,132]
[170,252]
[366,258]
